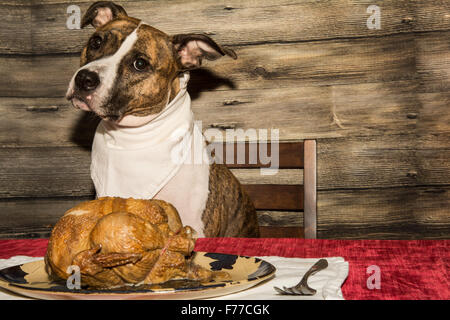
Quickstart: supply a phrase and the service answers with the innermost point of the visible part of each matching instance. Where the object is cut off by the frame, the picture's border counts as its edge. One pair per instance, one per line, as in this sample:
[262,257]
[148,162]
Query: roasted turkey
[117,242]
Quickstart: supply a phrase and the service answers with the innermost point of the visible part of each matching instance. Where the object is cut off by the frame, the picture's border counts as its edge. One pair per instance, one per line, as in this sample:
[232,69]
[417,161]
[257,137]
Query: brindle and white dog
[134,78]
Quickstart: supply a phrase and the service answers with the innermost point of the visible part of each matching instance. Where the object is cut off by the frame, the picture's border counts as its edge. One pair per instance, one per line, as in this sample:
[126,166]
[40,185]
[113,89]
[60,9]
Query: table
[408,269]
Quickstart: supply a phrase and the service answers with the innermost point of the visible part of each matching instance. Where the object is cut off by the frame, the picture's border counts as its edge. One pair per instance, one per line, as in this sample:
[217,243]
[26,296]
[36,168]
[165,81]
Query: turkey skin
[117,242]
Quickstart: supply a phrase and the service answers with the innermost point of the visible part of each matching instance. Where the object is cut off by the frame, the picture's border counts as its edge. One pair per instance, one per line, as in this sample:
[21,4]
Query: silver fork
[302,288]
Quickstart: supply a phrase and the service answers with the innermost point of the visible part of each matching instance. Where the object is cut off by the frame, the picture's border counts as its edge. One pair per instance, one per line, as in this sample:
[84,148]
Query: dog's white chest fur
[165,159]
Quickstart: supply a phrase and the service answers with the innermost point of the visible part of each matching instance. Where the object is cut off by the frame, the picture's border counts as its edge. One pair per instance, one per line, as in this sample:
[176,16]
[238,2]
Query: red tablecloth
[416,269]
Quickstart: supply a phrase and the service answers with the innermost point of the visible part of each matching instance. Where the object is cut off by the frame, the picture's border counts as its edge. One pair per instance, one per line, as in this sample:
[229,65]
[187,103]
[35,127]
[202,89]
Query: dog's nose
[87,80]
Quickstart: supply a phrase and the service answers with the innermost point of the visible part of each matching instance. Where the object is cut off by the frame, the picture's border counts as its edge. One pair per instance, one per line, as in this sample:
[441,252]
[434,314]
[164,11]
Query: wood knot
[223,126]
[42,108]
[260,71]
[412,174]
[407,20]
[231,102]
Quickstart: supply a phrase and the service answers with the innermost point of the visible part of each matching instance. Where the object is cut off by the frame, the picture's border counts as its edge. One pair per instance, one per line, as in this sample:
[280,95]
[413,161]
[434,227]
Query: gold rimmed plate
[31,280]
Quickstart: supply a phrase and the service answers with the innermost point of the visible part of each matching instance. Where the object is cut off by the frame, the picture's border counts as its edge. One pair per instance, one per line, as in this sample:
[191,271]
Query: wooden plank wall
[376,100]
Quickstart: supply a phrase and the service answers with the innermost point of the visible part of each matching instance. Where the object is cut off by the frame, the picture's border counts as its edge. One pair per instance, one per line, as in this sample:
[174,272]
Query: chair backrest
[267,198]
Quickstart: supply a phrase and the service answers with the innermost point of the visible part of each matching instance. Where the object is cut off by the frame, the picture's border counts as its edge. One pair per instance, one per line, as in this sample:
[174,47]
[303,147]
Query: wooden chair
[285,197]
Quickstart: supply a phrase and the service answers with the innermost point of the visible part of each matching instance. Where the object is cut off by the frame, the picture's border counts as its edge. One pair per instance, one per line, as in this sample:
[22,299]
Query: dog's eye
[95,43]
[140,64]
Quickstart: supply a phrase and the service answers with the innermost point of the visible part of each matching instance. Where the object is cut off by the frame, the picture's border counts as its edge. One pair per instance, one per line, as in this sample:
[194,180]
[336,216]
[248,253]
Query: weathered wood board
[252,21]
[265,66]
[343,163]
[391,213]
[434,113]
[433,61]
[298,113]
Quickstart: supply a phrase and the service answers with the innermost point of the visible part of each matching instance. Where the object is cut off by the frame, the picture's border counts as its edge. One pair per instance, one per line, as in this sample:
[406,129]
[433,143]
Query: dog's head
[129,69]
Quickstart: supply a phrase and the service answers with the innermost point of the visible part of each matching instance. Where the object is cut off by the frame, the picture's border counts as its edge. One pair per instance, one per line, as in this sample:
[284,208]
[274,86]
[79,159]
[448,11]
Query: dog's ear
[102,12]
[191,49]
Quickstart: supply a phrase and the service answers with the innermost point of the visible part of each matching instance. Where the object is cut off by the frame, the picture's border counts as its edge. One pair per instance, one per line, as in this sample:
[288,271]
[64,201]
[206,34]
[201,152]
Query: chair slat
[276,196]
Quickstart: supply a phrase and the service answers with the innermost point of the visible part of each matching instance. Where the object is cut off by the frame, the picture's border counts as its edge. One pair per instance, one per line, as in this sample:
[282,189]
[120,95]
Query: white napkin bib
[138,161]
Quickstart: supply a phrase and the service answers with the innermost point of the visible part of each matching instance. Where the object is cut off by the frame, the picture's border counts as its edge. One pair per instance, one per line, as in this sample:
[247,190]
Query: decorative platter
[31,280]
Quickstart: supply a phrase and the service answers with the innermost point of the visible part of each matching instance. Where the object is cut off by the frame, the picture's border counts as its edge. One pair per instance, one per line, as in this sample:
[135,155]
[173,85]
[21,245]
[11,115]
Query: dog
[147,145]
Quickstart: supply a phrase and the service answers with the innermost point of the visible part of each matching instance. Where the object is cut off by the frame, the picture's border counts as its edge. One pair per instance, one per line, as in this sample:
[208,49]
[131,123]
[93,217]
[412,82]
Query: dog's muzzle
[82,89]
